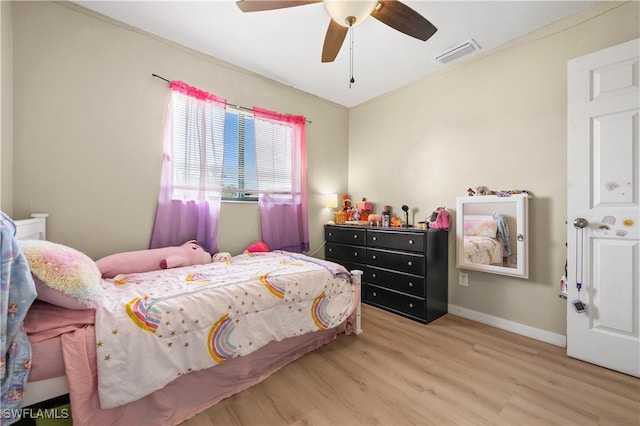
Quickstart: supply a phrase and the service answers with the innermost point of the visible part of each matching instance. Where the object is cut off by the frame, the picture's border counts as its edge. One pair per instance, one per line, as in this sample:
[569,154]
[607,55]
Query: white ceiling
[285,44]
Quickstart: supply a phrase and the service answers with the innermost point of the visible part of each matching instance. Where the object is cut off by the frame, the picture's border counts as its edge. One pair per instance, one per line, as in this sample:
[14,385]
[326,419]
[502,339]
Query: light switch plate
[463,278]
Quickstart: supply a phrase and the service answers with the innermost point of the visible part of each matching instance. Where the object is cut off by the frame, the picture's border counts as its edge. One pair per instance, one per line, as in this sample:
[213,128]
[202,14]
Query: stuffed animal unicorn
[189,253]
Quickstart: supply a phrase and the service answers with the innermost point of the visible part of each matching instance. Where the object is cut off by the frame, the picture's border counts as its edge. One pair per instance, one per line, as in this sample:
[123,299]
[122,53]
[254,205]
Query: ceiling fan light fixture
[349,12]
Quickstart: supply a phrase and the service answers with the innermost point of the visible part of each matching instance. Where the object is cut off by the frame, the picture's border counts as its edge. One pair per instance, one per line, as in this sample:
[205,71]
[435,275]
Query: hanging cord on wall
[230,104]
[313,254]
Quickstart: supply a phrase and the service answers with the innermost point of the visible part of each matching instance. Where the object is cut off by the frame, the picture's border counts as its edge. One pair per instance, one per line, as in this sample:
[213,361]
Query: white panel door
[604,189]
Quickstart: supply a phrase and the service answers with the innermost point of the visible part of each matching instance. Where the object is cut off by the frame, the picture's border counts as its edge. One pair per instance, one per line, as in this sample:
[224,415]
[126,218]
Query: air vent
[458,51]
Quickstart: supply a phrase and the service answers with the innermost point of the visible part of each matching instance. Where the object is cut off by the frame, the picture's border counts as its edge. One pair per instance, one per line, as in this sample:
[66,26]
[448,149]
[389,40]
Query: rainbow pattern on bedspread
[156,326]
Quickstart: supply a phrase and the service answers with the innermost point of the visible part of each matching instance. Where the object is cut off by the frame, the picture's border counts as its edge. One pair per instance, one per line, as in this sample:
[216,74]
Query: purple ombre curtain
[190,188]
[283,212]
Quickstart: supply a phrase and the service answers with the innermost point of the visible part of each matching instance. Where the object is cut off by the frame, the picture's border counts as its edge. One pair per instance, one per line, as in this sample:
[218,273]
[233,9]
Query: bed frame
[32,229]
[42,390]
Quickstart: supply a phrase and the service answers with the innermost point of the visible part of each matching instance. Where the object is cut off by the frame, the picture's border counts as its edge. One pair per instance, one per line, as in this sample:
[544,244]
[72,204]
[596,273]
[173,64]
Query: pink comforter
[178,401]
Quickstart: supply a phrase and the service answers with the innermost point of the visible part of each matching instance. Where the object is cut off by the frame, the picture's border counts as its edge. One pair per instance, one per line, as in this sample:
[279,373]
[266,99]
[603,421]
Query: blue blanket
[17,293]
[503,234]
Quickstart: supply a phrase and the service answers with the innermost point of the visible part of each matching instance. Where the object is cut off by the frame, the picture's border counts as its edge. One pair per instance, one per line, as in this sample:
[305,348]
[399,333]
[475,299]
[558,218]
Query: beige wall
[88,128]
[498,120]
[6,108]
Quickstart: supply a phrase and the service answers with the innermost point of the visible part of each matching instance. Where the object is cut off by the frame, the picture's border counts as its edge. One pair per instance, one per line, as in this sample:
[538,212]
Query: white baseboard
[514,327]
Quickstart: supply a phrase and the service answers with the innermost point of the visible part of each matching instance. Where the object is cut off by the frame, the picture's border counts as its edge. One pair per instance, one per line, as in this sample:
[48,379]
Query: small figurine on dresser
[365,208]
[375,219]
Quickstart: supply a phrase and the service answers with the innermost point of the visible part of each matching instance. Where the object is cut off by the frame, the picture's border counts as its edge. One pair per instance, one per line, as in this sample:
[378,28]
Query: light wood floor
[450,372]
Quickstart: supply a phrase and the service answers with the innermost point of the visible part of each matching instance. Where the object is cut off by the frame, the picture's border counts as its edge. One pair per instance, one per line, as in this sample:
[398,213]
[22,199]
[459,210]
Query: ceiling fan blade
[401,17]
[336,34]
[260,5]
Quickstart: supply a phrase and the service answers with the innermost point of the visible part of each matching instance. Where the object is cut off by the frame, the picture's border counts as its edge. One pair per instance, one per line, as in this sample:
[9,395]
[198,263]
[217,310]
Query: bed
[481,242]
[148,355]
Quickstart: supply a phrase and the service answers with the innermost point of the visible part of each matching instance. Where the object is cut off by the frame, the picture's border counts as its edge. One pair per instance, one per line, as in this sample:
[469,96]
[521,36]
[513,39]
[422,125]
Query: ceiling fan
[345,14]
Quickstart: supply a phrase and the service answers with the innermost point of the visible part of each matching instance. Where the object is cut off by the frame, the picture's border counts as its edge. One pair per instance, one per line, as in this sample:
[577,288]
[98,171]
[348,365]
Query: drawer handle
[355,236]
[330,250]
[331,234]
[375,238]
[355,254]
[410,263]
[411,305]
[410,284]
[373,257]
[410,241]
[374,294]
[373,275]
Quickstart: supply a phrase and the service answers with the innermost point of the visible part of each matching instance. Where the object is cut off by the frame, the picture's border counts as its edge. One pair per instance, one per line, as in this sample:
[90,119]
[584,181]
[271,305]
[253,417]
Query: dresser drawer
[345,252]
[345,235]
[406,283]
[411,241]
[347,264]
[406,304]
[399,261]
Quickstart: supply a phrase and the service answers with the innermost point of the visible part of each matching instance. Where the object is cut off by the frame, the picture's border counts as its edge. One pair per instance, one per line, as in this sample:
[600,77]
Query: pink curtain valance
[184,88]
[272,115]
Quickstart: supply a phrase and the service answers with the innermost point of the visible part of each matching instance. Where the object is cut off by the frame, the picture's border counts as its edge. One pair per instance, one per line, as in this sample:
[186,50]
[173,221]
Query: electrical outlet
[463,278]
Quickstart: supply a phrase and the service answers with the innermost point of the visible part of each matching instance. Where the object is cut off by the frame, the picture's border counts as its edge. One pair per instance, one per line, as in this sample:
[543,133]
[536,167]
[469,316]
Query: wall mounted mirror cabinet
[492,234]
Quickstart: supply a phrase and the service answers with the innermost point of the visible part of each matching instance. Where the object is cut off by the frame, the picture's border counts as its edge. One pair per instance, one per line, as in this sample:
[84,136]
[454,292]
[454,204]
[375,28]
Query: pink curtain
[284,215]
[189,205]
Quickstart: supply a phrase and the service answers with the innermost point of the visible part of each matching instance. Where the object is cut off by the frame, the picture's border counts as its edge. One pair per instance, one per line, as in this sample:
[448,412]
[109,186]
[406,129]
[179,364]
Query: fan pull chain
[352,80]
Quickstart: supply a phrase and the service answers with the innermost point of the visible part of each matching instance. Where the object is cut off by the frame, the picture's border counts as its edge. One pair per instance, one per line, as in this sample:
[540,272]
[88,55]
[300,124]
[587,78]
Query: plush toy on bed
[189,253]
[257,247]
[222,256]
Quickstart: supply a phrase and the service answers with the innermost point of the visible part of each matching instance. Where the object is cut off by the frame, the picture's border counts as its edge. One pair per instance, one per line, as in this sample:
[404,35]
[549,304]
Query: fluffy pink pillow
[63,270]
[55,297]
[483,228]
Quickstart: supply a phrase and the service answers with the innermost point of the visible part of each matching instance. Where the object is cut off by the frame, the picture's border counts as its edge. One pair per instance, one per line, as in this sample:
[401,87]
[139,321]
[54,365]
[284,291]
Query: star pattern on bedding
[167,308]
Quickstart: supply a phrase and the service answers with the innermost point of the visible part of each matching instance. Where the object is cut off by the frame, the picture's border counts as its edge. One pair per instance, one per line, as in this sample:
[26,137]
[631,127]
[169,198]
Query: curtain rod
[233,105]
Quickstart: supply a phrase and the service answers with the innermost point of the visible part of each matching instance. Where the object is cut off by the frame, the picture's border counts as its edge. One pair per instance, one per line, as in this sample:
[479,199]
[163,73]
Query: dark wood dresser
[405,269]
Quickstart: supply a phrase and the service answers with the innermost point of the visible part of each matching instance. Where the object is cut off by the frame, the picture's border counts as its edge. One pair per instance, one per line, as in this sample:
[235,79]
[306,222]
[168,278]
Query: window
[239,176]
[229,163]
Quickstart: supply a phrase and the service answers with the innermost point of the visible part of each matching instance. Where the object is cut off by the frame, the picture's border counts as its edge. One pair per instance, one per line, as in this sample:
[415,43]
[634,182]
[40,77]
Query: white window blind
[197,147]
[275,155]
[228,152]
